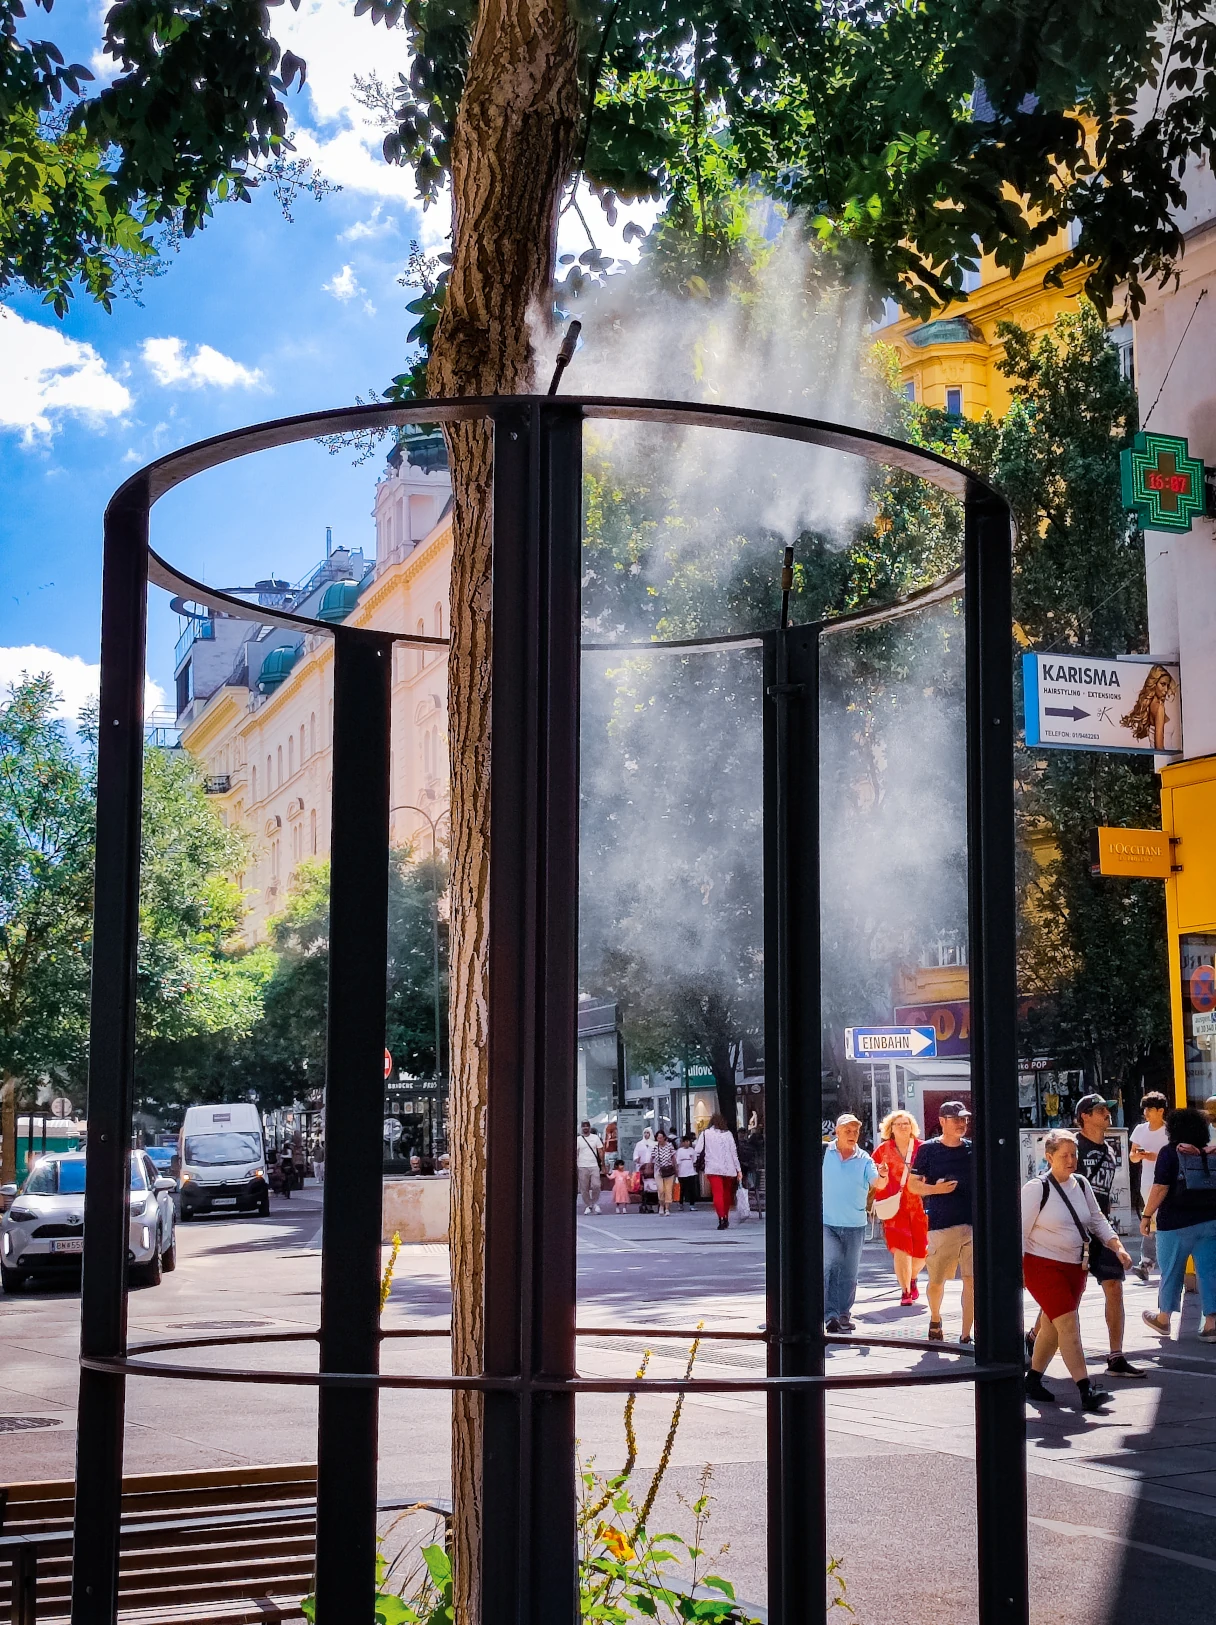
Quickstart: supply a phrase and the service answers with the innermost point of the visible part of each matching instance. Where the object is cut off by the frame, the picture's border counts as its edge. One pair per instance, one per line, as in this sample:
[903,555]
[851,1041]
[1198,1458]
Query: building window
[420,657]
[269,775]
[331,722]
[438,620]
[312,831]
[254,785]
[303,758]
[312,733]
[910,389]
[185,686]
[291,754]
[1121,341]
[279,763]
[954,402]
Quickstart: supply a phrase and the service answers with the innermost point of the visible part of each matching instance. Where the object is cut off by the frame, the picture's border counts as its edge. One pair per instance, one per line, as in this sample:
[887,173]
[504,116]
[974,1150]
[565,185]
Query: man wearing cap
[1096,1163]
[941,1177]
[849,1174]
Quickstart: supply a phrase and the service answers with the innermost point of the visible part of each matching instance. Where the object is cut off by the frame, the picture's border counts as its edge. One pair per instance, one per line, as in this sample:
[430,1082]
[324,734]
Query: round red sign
[388,1065]
[1203,988]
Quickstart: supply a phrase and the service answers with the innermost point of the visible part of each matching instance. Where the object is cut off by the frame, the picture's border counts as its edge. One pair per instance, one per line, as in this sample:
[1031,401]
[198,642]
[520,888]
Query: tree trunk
[8,1129]
[512,149]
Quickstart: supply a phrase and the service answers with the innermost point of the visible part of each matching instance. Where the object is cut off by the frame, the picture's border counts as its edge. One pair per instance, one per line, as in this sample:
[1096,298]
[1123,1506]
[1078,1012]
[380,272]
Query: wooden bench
[227,1546]
[220,1547]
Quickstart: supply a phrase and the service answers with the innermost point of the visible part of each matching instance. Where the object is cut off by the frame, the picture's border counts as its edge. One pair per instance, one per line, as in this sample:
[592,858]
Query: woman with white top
[1059,1215]
[717,1145]
[643,1162]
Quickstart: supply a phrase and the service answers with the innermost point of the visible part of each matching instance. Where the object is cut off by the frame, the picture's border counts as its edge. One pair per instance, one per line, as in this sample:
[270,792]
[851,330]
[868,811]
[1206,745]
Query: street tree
[685,539]
[282,1058]
[1092,949]
[46,895]
[193,984]
[867,121]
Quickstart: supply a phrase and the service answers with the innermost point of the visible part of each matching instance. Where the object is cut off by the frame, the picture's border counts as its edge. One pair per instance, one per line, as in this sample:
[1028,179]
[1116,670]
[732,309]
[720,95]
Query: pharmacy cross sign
[1162,482]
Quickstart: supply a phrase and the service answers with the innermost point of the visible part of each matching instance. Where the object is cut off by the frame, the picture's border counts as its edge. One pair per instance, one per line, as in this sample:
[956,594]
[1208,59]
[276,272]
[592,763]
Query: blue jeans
[841,1261]
[1197,1241]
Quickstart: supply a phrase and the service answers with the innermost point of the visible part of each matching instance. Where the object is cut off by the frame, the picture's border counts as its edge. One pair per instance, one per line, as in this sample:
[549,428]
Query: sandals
[936,1334]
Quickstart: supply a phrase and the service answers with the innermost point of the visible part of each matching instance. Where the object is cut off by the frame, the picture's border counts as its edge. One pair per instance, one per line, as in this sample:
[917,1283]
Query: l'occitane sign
[1140,853]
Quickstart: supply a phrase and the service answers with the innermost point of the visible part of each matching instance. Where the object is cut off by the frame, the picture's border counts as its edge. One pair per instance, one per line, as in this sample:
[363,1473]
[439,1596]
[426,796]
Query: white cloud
[344,284]
[337,45]
[377,224]
[76,681]
[170,364]
[46,374]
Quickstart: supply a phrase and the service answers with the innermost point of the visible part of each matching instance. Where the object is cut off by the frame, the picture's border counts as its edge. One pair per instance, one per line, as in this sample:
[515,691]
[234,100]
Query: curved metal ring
[150,483]
[120,1365]
[683,1333]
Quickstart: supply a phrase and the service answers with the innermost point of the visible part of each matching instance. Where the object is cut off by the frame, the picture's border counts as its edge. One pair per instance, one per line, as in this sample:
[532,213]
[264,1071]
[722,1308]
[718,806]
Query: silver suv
[42,1233]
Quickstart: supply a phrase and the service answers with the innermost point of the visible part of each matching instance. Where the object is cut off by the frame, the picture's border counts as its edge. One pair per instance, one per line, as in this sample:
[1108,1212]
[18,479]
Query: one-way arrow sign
[889,1043]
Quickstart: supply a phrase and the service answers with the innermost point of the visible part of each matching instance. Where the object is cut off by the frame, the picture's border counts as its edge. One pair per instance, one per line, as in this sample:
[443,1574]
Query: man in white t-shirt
[1145,1140]
[589,1163]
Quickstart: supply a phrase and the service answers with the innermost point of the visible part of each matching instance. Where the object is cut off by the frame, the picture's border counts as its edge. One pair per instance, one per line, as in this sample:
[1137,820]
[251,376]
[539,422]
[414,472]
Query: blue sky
[255,318]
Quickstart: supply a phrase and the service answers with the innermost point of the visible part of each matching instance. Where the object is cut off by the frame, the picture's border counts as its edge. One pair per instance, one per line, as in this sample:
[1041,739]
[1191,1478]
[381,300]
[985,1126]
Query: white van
[222,1161]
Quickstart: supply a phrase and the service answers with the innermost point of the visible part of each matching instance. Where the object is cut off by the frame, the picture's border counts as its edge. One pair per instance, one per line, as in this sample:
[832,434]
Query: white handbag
[886,1207]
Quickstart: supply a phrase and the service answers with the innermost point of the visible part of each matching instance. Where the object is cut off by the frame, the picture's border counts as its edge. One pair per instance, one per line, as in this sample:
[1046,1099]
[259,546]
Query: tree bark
[8,1129]
[512,149]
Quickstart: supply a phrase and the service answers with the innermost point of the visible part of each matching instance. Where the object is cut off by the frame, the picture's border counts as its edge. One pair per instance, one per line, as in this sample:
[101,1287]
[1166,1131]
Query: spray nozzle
[566,354]
[787,582]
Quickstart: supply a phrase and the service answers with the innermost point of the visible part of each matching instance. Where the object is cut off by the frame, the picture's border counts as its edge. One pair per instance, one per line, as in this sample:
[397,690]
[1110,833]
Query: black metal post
[350,1248]
[529,1568]
[797,1496]
[999,1406]
[103,1298]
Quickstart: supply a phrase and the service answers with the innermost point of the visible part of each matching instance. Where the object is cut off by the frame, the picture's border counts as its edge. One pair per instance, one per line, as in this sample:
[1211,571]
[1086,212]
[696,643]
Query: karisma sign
[1080,702]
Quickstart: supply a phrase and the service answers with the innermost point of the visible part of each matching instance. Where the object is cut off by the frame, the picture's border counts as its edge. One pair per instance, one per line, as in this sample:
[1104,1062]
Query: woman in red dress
[906,1232]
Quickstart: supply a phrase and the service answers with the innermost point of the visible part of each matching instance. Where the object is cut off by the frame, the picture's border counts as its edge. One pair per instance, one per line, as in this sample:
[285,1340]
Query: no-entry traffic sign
[388,1065]
[889,1043]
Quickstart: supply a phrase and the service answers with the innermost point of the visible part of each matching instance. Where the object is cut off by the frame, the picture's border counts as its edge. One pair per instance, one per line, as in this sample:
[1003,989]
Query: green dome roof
[276,666]
[340,598]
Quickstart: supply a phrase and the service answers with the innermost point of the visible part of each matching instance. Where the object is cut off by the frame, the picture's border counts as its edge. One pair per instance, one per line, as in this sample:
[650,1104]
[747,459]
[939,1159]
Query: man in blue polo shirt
[849,1174]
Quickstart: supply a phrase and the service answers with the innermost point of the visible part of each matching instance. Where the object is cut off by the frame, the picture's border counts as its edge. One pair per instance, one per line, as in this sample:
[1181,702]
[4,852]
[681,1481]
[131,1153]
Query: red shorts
[1055,1287]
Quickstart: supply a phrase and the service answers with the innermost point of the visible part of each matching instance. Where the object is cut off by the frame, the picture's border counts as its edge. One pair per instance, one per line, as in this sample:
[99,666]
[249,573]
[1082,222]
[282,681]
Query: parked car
[42,1232]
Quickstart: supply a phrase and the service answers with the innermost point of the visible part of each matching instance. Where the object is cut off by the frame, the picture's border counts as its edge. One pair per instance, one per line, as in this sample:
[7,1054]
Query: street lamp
[433,824]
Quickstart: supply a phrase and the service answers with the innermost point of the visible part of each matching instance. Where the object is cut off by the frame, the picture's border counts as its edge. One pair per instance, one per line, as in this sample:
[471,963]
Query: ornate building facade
[255,701]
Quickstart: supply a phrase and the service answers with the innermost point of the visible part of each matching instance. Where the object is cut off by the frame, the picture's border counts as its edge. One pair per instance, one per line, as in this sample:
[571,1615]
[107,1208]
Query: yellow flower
[616,1543]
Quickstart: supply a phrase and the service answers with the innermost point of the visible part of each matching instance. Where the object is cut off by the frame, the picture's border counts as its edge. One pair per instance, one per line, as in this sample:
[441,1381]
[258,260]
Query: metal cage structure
[529,1378]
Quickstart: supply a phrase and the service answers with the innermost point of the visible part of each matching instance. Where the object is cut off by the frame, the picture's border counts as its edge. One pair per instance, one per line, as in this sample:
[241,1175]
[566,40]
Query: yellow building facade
[261,724]
[950,362]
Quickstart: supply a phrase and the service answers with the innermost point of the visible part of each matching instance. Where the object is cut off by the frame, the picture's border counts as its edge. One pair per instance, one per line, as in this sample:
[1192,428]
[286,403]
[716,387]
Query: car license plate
[223,1201]
[74,1245]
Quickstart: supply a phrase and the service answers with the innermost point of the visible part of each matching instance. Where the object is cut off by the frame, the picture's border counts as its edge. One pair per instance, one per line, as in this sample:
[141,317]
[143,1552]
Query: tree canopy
[192,981]
[922,133]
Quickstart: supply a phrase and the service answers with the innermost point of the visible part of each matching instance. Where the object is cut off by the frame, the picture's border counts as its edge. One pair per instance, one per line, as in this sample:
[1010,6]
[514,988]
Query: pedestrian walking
[1096,1164]
[588,1164]
[620,1187]
[686,1170]
[318,1162]
[905,1226]
[665,1169]
[717,1157]
[1061,1218]
[1182,1199]
[941,1177]
[643,1161]
[849,1175]
[1144,1142]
